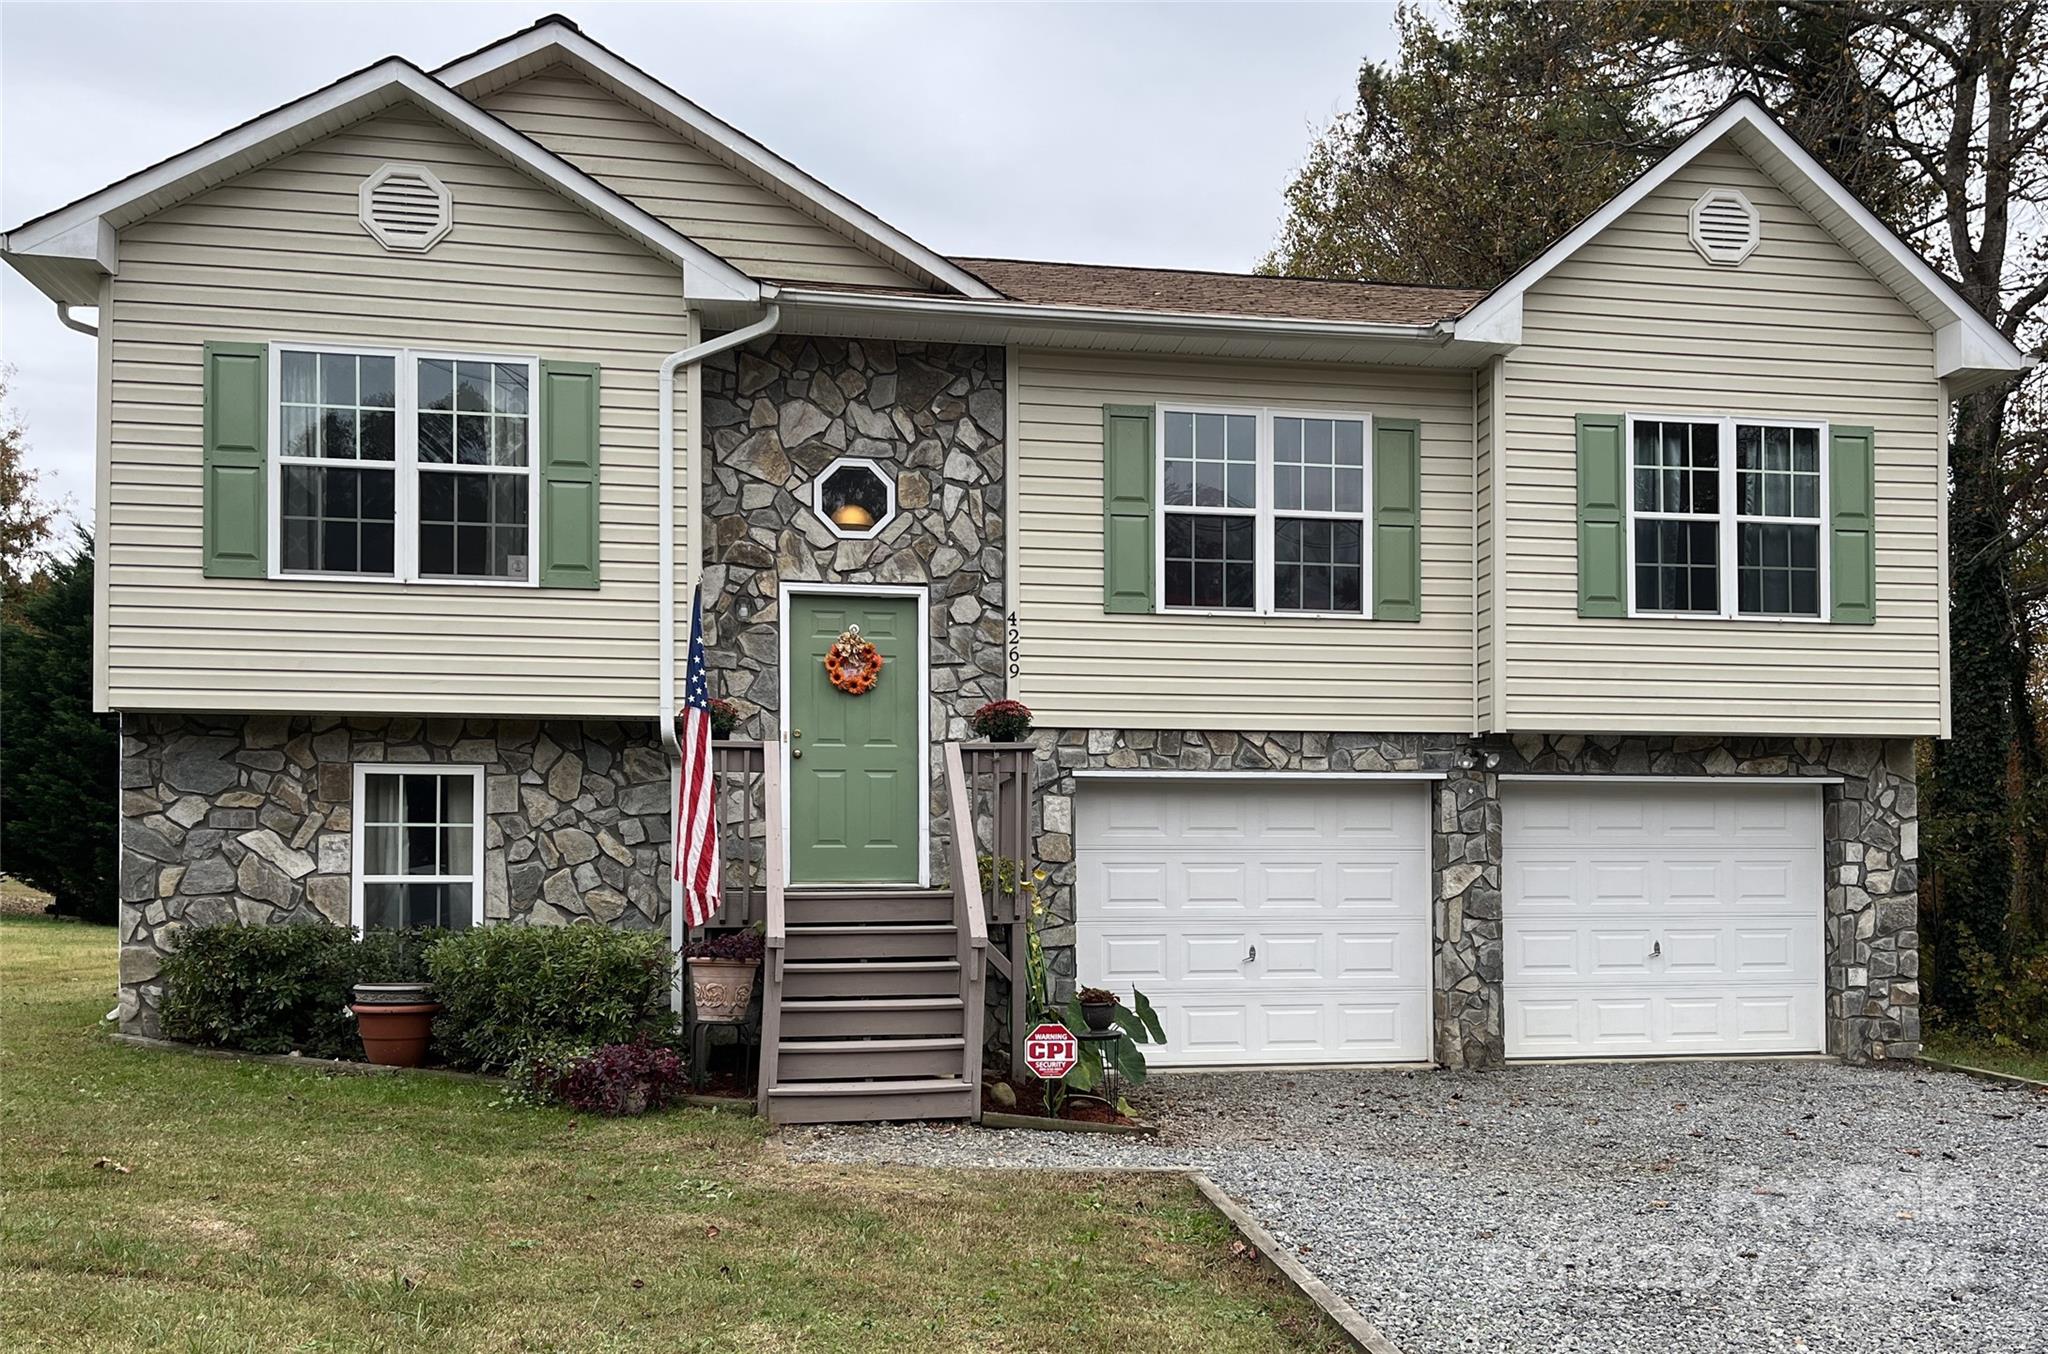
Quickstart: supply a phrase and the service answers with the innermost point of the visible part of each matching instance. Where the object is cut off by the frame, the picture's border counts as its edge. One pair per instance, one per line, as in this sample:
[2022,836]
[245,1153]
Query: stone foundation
[1871,851]
[249,819]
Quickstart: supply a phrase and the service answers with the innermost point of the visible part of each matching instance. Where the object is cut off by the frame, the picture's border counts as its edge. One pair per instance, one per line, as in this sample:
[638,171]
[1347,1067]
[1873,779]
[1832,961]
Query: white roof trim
[84,230]
[551,39]
[1976,346]
[1000,310]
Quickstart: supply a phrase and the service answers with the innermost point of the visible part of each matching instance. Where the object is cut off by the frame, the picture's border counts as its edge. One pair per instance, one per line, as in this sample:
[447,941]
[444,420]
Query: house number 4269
[1014,640]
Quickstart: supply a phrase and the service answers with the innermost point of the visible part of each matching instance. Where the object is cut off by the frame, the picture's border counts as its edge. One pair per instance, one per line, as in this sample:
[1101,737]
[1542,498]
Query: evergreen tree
[59,781]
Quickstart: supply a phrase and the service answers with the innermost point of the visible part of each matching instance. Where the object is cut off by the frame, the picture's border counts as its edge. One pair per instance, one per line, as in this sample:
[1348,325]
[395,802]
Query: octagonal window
[855,498]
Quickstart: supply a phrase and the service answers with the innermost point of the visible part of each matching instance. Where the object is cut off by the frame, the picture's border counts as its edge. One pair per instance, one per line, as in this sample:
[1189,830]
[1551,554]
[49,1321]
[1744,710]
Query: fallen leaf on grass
[711,1232]
[1241,1251]
[109,1164]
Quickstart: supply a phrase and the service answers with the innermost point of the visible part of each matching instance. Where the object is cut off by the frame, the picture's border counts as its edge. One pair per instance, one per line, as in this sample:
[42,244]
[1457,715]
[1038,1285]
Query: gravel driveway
[1644,1207]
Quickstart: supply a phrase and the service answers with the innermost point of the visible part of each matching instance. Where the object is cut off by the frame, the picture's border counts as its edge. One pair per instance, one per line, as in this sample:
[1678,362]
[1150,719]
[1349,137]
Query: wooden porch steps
[873,1013]
[851,1102]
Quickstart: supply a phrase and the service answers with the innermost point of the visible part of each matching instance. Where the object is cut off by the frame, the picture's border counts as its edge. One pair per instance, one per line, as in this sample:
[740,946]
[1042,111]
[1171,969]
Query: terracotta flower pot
[395,1020]
[722,989]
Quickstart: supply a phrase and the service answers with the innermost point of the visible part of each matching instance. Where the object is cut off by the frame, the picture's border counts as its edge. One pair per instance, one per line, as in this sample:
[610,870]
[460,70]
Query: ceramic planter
[1099,1015]
[395,1021]
[722,989]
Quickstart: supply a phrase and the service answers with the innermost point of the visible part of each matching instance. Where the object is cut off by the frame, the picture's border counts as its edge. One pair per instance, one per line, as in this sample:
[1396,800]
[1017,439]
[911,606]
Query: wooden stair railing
[971,919]
[776,925]
[999,787]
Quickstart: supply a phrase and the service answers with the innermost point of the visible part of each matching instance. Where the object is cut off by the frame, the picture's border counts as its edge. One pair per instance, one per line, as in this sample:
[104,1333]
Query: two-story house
[1421,674]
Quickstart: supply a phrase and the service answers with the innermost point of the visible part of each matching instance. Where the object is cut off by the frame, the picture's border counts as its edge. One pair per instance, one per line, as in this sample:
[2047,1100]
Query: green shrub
[506,989]
[272,989]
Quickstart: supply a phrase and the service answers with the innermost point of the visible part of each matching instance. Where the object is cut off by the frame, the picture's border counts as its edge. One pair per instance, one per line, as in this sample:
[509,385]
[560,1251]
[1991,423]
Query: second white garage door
[1268,921]
[1677,918]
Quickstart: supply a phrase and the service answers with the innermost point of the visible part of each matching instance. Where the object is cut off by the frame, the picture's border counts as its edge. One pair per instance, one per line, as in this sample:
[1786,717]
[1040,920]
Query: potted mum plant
[723,969]
[1002,721]
[725,717]
[1098,1007]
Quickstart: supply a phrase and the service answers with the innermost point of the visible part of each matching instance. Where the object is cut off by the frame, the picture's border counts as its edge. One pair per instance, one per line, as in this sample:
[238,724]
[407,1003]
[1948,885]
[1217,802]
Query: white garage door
[1268,921]
[1643,918]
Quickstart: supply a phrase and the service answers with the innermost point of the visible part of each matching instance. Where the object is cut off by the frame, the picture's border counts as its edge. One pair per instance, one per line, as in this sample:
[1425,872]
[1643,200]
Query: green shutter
[1127,457]
[235,502]
[1396,519]
[1852,524]
[568,474]
[1603,519]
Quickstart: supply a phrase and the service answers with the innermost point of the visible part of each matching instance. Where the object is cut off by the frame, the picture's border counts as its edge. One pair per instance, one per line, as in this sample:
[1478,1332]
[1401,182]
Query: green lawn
[2016,1062]
[268,1207]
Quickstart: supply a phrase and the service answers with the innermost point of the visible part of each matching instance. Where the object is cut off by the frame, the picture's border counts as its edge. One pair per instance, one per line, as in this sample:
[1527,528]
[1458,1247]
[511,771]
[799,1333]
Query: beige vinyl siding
[720,208]
[1638,322]
[1081,666]
[1482,547]
[279,253]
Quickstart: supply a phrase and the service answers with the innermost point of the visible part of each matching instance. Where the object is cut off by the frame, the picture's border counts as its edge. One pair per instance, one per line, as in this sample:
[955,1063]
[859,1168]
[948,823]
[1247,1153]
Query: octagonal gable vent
[1725,227]
[405,207]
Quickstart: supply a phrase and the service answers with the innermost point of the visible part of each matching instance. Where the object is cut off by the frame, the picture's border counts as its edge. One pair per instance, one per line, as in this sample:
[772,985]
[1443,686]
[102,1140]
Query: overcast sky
[1098,133]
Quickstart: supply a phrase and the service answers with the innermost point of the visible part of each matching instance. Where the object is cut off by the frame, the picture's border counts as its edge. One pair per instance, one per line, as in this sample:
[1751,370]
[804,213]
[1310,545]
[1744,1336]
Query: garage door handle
[1657,950]
[1251,954]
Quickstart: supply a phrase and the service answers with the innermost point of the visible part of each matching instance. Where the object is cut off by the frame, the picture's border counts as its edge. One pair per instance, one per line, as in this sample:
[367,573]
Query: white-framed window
[1727,516]
[1263,511]
[418,846]
[404,464]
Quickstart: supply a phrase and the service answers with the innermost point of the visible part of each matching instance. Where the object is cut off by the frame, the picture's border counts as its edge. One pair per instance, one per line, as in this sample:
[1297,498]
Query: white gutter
[70,321]
[665,714]
[1017,312]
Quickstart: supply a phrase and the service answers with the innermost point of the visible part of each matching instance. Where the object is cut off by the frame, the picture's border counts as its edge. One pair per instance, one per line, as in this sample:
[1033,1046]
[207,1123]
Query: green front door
[855,778]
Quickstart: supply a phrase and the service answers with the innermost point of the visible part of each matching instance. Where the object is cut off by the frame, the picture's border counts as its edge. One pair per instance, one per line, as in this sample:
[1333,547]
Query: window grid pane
[1318,565]
[1211,562]
[335,519]
[1677,565]
[1211,460]
[1318,464]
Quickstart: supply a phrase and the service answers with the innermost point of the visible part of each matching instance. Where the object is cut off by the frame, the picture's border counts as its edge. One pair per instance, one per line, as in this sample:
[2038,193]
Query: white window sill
[391,580]
[1260,615]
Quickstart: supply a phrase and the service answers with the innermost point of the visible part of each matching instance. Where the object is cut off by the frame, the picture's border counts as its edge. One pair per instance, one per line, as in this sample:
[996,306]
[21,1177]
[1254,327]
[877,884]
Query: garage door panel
[1266,922]
[1132,959]
[1338,1027]
[1645,919]
[1596,1025]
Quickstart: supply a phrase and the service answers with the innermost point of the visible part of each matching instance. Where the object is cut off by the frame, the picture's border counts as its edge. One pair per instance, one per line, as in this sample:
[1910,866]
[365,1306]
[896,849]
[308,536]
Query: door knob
[796,733]
[796,754]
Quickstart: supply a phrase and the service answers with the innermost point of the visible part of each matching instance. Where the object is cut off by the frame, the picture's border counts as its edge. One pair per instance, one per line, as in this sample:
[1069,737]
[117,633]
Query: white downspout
[70,321]
[665,714]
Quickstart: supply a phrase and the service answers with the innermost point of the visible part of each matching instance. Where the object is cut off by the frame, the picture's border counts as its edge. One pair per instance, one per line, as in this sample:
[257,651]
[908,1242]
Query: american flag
[696,844]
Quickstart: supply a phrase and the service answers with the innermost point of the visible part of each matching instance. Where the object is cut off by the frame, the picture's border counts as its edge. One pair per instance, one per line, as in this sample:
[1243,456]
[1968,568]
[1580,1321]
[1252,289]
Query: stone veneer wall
[776,413]
[1870,822]
[249,819]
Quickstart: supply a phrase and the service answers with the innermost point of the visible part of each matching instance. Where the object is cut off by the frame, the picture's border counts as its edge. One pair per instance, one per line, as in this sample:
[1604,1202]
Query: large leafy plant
[1137,1021]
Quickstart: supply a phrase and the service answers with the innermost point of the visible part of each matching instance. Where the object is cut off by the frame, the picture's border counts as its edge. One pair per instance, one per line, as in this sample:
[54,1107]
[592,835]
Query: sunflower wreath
[852,664]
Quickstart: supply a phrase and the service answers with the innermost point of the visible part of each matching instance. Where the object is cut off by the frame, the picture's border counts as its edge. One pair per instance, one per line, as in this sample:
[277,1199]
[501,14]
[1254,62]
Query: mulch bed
[1031,1101]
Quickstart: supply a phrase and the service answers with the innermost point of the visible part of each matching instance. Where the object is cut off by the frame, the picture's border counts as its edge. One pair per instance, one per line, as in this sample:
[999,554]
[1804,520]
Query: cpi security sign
[1050,1051]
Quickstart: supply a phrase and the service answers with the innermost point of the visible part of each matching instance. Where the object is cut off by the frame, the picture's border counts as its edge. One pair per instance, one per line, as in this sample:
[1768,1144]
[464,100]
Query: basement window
[419,847]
